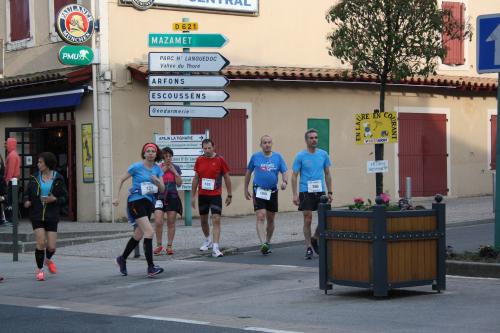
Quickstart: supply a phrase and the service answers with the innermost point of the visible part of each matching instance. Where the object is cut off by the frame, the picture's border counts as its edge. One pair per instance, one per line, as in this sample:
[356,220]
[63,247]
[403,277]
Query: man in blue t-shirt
[266,166]
[313,165]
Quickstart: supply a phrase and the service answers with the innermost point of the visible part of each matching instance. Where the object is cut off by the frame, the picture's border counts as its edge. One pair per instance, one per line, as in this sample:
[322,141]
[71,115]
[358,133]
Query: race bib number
[314,186]
[263,194]
[208,184]
[159,204]
[148,188]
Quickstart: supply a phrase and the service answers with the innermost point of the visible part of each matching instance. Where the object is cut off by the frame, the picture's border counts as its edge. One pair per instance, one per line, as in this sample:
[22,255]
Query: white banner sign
[188,96]
[186,62]
[241,6]
[377,166]
[191,111]
[185,81]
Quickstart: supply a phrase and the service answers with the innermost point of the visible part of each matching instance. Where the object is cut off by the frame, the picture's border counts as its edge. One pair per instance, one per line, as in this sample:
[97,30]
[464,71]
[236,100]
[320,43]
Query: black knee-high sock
[148,251]
[39,257]
[132,243]
[49,253]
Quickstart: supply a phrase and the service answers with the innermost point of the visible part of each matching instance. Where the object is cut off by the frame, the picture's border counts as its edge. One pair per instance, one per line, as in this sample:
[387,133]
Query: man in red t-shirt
[209,169]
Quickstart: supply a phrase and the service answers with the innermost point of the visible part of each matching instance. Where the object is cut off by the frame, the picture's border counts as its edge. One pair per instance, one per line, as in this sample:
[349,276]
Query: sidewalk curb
[474,269]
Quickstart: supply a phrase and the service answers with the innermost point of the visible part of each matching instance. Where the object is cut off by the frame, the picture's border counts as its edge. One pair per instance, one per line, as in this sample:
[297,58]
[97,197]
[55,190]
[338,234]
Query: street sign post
[186,40]
[488,61]
[188,96]
[186,62]
[184,81]
[188,111]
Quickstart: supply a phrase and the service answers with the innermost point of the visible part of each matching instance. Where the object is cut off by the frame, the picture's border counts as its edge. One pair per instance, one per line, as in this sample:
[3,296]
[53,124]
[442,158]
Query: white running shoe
[216,253]
[207,244]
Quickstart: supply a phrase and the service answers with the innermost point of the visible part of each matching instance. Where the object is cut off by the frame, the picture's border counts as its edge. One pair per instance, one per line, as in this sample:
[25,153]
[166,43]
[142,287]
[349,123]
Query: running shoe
[51,265]
[122,263]
[309,253]
[158,250]
[314,244]
[170,250]
[40,275]
[154,270]
[207,244]
[265,248]
[216,253]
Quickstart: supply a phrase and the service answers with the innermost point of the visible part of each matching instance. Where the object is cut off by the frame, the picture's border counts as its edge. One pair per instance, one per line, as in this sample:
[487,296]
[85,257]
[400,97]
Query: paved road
[468,237]
[41,320]
[240,296]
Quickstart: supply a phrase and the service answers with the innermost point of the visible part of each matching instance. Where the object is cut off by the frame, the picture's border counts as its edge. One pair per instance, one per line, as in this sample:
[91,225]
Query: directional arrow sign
[184,81]
[186,40]
[186,62]
[188,96]
[191,111]
[488,43]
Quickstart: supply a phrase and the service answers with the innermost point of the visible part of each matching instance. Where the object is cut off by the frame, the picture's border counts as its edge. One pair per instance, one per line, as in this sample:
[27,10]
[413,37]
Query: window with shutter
[19,17]
[54,8]
[455,47]
[229,135]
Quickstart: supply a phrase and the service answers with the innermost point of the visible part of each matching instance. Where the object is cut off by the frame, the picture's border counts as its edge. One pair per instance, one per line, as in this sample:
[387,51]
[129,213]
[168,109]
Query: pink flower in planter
[358,200]
[385,197]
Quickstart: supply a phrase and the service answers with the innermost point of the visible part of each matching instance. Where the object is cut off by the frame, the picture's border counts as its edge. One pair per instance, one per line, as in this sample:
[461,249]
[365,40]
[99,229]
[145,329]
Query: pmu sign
[186,62]
[188,96]
[488,43]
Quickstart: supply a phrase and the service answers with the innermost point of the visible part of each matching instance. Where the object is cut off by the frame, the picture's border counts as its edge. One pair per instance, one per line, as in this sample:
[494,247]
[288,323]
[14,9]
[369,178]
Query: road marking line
[286,266]
[51,307]
[267,330]
[471,277]
[179,320]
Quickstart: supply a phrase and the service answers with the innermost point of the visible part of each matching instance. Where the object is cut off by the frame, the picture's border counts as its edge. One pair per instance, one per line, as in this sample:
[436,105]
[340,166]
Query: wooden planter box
[382,250]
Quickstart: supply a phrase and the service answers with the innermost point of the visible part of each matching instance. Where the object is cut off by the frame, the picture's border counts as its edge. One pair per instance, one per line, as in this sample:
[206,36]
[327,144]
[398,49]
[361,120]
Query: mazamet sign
[142,4]
[75,24]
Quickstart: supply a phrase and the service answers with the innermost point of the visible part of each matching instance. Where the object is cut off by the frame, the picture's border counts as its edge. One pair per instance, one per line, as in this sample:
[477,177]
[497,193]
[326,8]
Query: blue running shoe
[122,263]
[154,270]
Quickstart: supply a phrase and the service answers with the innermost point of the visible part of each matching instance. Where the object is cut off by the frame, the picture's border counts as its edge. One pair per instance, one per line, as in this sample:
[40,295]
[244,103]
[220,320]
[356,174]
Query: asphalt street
[245,292]
[468,237]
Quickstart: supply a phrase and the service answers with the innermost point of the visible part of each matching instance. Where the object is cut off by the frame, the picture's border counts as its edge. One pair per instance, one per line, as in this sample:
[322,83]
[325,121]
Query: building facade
[282,81]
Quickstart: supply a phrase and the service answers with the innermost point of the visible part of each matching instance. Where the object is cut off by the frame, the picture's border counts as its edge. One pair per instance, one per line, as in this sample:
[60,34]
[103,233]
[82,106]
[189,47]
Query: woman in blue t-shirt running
[146,183]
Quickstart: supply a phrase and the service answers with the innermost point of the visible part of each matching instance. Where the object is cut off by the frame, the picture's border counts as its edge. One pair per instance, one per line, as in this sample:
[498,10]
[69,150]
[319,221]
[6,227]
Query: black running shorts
[309,201]
[212,203]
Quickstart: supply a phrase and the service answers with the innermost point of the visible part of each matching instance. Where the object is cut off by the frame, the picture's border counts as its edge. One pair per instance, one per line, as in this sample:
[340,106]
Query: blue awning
[43,101]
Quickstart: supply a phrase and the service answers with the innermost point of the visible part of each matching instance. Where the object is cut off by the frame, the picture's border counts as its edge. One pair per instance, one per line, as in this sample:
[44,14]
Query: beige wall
[85,195]
[282,110]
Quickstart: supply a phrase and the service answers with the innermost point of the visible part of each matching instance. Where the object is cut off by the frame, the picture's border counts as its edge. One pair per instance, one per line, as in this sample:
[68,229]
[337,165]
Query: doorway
[56,138]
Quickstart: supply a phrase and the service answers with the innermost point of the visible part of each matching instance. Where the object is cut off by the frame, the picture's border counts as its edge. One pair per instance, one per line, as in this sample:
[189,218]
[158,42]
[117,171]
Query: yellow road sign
[184,26]
[381,127]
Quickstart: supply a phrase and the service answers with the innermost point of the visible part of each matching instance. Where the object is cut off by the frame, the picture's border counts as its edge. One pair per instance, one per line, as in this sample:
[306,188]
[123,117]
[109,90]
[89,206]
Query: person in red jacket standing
[209,170]
[12,170]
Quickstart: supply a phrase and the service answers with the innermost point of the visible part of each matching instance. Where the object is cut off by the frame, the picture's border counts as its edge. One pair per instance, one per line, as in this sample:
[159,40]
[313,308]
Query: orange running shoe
[52,266]
[40,275]
[170,251]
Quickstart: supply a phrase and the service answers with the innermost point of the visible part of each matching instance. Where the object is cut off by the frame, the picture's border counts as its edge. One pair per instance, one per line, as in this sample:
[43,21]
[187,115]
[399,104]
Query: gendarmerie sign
[237,6]
[75,24]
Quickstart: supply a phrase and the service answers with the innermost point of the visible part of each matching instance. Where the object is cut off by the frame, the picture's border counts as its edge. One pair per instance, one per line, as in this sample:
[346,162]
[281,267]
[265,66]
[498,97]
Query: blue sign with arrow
[488,43]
